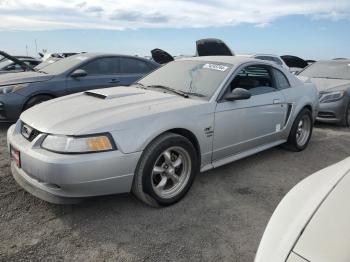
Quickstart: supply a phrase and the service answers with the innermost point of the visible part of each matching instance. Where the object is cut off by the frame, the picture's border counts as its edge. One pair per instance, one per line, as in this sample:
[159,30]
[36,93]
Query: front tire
[346,120]
[301,131]
[166,170]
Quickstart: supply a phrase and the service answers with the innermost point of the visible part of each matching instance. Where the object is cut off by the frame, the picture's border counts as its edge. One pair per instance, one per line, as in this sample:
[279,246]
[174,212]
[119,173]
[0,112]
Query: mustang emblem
[26,131]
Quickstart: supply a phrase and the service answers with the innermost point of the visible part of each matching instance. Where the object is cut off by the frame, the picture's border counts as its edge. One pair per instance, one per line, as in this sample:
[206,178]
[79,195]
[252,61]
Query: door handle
[114,81]
[277,101]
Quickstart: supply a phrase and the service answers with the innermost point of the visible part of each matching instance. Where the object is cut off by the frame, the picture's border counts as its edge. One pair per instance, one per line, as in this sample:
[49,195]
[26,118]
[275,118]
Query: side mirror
[238,94]
[78,73]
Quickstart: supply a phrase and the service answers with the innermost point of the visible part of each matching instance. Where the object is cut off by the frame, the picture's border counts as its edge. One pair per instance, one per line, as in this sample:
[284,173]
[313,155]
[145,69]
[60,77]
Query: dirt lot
[221,219]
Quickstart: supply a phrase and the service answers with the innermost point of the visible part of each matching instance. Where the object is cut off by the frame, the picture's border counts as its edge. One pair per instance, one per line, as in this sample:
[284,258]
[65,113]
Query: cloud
[134,14]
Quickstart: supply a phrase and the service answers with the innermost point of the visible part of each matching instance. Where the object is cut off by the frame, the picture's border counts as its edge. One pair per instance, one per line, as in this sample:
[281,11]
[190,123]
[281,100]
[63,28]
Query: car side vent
[289,111]
[95,95]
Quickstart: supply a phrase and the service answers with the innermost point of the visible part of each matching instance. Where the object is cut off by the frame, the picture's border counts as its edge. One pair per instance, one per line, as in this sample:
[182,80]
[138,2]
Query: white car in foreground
[312,222]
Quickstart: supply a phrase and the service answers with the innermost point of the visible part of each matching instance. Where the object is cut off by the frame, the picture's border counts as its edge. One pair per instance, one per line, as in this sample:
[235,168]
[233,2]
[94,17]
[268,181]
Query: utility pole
[36,47]
[27,49]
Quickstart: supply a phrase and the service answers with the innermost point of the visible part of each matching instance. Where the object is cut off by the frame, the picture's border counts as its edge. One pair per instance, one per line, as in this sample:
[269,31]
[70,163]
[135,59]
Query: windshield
[5,63]
[63,65]
[45,64]
[328,69]
[197,77]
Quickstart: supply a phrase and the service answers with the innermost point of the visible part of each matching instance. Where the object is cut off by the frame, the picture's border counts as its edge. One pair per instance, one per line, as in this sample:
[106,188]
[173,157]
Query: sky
[312,29]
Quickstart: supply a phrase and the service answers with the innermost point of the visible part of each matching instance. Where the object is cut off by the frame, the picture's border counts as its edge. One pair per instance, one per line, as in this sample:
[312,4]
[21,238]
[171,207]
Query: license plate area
[15,156]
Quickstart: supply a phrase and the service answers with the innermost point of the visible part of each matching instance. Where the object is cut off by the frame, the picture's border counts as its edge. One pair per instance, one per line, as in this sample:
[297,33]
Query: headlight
[78,145]
[331,96]
[11,88]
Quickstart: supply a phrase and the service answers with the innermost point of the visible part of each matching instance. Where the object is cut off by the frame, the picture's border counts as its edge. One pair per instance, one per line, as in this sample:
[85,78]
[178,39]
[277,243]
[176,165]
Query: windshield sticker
[221,68]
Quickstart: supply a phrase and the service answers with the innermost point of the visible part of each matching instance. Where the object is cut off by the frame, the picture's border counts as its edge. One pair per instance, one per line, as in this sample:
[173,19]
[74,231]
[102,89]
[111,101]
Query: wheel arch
[37,94]
[307,106]
[185,133]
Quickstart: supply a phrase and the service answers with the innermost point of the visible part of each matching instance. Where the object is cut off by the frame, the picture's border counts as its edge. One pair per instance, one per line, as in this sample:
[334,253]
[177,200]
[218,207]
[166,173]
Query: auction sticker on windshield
[216,67]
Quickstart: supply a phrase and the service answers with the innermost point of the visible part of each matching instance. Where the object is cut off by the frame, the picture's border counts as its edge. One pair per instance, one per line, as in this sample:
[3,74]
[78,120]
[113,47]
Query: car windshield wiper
[194,94]
[328,77]
[181,93]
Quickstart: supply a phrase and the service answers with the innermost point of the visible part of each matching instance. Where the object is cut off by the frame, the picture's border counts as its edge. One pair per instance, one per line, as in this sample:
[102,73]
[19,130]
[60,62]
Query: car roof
[339,61]
[234,60]
[254,55]
[95,55]
[105,54]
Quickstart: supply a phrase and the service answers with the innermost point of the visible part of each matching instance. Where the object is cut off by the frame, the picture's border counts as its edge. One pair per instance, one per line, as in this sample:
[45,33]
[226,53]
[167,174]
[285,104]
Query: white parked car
[312,222]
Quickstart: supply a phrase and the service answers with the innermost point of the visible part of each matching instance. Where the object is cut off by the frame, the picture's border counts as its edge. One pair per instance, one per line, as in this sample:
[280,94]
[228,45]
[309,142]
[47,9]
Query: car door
[132,69]
[242,125]
[101,73]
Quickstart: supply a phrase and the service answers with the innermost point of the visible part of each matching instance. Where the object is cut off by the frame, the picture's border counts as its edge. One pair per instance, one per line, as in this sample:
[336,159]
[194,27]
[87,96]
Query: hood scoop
[108,95]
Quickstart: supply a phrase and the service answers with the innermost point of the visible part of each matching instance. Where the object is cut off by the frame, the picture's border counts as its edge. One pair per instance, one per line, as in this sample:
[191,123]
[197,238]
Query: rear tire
[301,131]
[166,170]
[35,100]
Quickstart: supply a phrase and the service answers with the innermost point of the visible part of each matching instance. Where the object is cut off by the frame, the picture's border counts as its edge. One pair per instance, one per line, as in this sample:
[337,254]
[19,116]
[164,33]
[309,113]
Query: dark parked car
[77,73]
[14,64]
[8,66]
[295,64]
[204,47]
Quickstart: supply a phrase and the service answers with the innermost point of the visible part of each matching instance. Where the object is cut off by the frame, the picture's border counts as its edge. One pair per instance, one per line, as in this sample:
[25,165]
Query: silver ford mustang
[189,116]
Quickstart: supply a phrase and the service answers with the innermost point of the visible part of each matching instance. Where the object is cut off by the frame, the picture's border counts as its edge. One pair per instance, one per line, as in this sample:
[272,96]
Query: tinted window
[103,66]
[256,79]
[281,80]
[133,66]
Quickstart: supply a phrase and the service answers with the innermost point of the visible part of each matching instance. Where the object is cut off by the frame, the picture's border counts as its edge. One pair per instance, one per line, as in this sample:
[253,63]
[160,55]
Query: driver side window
[103,66]
[257,79]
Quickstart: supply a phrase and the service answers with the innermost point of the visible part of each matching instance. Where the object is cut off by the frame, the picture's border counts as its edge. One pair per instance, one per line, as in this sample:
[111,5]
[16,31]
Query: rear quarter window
[281,80]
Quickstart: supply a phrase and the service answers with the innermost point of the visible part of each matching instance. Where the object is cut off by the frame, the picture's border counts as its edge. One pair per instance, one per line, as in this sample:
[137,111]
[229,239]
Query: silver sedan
[152,138]
[332,79]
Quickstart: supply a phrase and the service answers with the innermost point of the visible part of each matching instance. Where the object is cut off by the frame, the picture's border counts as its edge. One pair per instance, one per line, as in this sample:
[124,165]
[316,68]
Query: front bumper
[62,178]
[11,107]
[334,112]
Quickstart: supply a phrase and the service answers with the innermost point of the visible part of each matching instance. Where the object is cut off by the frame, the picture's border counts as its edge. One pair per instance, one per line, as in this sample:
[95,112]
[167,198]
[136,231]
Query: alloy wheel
[171,172]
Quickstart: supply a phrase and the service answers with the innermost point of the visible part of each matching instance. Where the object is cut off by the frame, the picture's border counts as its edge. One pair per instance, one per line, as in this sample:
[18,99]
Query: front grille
[28,132]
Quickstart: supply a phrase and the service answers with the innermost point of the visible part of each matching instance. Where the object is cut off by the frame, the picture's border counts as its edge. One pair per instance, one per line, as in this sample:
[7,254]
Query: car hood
[297,208]
[23,77]
[327,85]
[102,110]
[327,235]
[212,47]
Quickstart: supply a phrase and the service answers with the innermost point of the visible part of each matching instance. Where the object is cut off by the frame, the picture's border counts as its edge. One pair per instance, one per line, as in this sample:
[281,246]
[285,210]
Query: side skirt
[244,154]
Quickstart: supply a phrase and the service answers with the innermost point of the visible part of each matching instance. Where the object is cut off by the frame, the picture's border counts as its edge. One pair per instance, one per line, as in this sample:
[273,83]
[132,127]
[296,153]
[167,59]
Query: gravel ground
[221,219]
